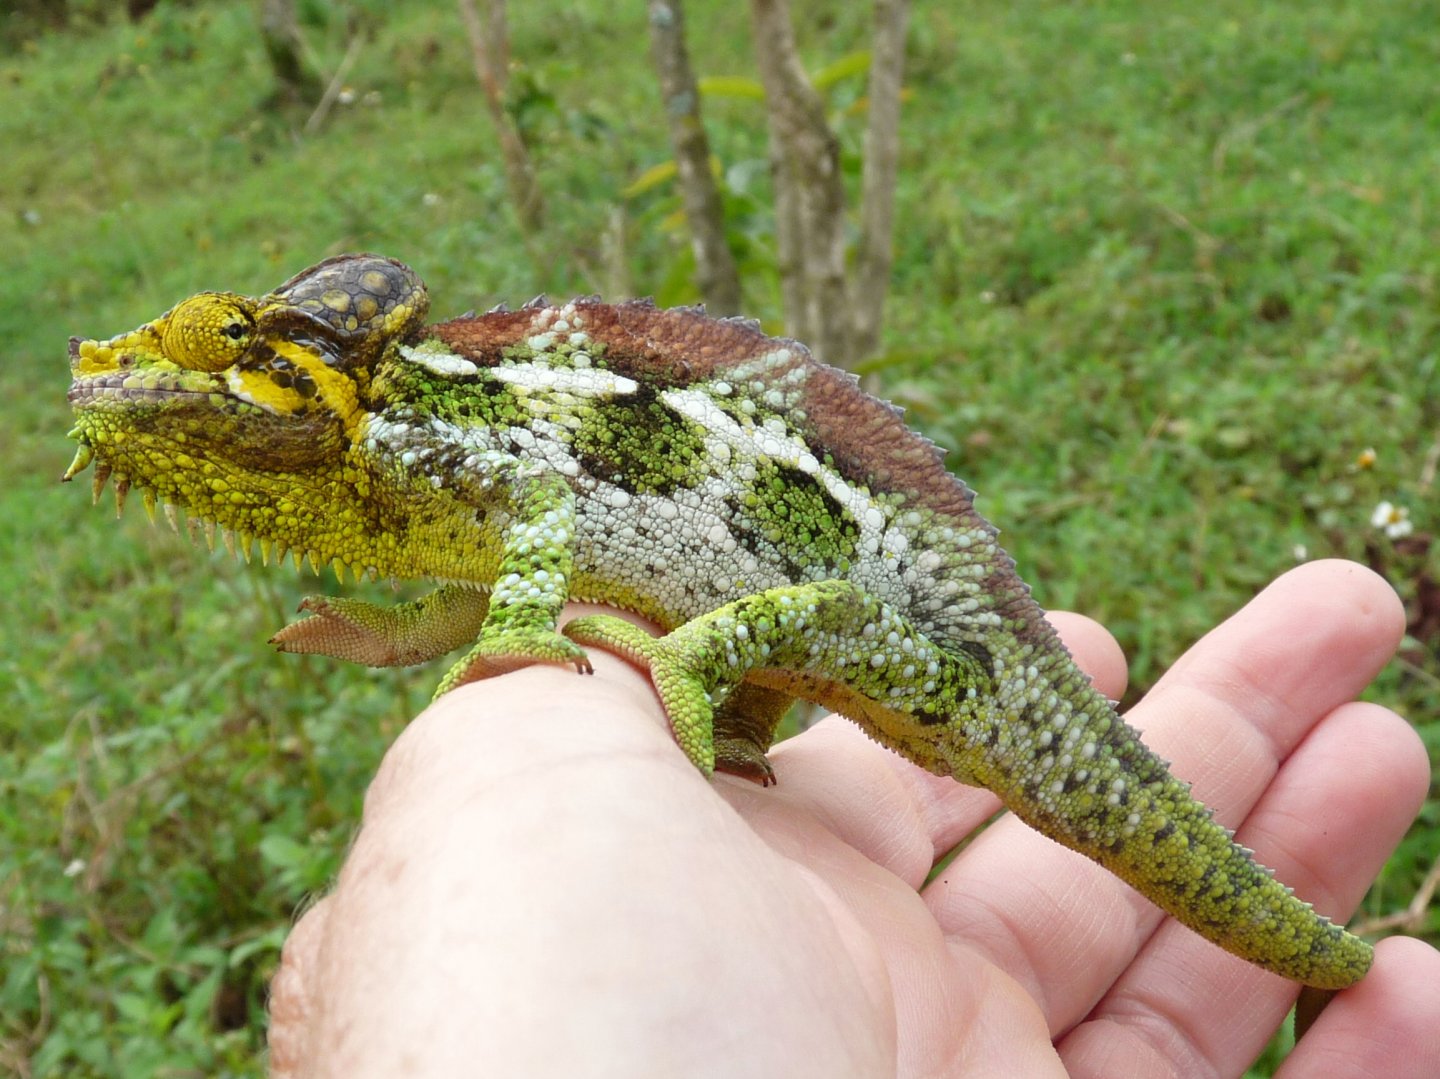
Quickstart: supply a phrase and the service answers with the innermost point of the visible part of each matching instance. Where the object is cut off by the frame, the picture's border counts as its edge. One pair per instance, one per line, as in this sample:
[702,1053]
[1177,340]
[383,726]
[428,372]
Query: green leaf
[731,86]
[269,941]
[855,63]
[652,177]
[283,852]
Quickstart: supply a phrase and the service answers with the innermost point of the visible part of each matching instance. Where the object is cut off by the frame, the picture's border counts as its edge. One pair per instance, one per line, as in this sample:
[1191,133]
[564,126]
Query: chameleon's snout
[81,350]
[82,354]
[90,357]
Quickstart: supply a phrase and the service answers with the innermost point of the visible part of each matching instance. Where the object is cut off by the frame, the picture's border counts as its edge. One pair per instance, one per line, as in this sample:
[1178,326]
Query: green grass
[1163,272]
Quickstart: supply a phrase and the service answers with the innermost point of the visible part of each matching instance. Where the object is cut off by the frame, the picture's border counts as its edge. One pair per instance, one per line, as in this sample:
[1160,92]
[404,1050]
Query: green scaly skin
[789,534]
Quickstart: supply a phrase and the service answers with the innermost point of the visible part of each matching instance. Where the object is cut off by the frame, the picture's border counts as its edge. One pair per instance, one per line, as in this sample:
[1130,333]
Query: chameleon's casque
[789,533]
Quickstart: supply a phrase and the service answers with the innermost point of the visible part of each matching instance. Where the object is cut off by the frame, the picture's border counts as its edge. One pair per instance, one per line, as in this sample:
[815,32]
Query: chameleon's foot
[745,725]
[742,757]
[342,629]
[396,636]
[501,653]
[683,694]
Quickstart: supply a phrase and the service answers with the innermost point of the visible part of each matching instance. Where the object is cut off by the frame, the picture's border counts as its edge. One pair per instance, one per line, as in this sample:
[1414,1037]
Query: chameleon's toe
[396,636]
[624,639]
[340,628]
[745,724]
[687,702]
[502,653]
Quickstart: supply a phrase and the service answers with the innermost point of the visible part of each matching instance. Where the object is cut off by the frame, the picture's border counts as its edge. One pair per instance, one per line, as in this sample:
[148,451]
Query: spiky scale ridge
[789,531]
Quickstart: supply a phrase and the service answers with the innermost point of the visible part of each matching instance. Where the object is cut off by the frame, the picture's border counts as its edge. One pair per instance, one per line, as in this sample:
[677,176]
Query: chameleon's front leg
[531,586]
[514,626]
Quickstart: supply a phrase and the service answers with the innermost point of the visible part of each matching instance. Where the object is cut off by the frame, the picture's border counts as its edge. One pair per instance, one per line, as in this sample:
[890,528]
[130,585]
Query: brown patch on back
[866,438]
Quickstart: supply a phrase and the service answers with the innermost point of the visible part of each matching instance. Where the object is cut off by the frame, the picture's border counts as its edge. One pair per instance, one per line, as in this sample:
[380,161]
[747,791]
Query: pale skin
[544,886]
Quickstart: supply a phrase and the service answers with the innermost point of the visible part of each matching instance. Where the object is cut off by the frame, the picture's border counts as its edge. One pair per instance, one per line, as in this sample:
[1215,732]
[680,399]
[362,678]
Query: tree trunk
[714,264]
[877,182]
[807,184]
[490,51]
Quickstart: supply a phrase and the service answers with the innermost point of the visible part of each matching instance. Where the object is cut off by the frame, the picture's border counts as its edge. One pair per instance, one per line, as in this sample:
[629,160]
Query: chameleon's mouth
[131,388]
[128,387]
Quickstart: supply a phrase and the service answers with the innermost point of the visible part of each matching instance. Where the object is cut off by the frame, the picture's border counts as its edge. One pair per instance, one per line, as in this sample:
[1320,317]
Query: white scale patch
[447,364]
[582,381]
[676,548]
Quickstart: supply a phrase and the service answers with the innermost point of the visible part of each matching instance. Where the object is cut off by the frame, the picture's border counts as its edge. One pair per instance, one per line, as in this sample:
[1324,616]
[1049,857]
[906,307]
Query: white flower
[1395,520]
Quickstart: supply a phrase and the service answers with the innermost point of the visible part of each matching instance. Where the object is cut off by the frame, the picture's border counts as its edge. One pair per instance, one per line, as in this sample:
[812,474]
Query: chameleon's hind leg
[685,694]
[832,640]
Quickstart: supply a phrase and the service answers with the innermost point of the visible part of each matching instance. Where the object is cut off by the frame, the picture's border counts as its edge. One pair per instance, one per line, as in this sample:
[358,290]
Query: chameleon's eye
[208,332]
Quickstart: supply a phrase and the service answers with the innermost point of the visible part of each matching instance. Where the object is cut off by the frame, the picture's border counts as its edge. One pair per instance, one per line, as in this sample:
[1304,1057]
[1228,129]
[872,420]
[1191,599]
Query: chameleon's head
[227,405]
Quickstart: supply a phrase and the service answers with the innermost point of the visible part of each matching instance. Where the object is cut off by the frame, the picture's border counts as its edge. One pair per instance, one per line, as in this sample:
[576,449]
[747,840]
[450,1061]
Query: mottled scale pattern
[792,537]
[750,454]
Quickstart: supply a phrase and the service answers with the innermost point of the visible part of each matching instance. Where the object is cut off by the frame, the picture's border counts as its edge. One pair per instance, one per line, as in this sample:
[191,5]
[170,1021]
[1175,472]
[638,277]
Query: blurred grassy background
[1166,282]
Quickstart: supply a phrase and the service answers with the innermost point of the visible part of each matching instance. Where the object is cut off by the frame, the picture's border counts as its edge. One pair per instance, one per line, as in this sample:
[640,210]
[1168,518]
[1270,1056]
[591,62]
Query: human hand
[543,885]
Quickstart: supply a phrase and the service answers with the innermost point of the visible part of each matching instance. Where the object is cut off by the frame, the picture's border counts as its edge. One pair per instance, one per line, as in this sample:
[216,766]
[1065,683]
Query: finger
[292,995]
[1341,802]
[1336,609]
[1066,928]
[895,812]
[1387,1025]
[1094,649]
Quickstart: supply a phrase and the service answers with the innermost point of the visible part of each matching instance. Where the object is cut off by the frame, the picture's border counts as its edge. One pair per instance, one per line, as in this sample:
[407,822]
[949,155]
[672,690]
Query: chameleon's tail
[1090,782]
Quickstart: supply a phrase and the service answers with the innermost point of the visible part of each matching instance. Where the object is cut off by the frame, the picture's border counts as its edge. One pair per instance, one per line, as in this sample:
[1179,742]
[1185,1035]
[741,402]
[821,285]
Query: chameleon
[790,535]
